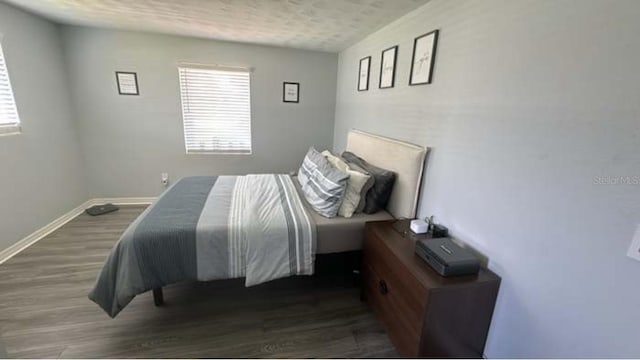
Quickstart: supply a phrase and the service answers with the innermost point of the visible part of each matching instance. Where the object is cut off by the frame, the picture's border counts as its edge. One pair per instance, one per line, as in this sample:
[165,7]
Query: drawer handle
[383,287]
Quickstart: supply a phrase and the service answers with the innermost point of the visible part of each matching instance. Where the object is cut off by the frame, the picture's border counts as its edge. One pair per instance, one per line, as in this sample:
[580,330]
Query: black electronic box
[446,257]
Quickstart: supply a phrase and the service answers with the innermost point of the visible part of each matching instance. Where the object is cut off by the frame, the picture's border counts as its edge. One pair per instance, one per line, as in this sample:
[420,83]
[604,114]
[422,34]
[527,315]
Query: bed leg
[158,298]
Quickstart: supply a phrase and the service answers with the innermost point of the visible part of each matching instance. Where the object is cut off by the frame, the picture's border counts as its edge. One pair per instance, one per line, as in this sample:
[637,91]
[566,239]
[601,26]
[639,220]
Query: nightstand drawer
[388,304]
[393,271]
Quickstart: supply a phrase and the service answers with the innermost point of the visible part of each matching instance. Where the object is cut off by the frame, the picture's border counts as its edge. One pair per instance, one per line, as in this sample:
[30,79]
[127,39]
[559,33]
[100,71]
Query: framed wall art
[291,92]
[422,60]
[363,73]
[388,67]
[127,83]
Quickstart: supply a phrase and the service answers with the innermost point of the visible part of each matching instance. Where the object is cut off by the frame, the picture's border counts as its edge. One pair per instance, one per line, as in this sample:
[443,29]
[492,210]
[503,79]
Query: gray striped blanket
[206,228]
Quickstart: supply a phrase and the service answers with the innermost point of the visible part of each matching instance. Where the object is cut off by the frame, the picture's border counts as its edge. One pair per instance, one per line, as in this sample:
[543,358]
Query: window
[216,109]
[9,121]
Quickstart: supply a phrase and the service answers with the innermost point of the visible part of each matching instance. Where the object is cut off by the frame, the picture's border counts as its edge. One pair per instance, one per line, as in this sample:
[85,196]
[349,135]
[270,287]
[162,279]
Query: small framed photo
[388,67]
[127,83]
[422,61]
[291,92]
[363,73]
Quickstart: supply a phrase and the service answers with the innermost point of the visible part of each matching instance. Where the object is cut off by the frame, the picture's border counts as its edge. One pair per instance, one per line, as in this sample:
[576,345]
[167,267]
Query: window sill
[217,153]
[10,130]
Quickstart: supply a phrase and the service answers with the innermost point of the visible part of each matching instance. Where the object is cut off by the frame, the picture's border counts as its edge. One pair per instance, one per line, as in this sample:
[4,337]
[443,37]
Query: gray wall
[40,170]
[531,100]
[129,140]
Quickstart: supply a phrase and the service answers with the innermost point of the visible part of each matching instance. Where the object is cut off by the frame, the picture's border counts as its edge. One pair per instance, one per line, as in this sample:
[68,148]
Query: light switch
[634,249]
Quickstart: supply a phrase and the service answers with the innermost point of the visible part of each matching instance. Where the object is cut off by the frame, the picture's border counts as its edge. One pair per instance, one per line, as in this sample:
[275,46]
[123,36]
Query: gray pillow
[322,184]
[378,197]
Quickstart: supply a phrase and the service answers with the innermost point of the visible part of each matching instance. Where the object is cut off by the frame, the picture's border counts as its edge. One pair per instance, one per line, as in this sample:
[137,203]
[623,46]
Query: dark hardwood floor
[45,312]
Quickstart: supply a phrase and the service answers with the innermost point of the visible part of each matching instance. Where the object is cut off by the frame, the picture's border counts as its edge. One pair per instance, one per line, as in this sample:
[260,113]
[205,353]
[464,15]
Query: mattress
[339,234]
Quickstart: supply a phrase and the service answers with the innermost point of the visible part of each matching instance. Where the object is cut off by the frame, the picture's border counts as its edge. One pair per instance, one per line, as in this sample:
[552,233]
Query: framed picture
[363,74]
[127,83]
[424,53]
[291,92]
[388,67]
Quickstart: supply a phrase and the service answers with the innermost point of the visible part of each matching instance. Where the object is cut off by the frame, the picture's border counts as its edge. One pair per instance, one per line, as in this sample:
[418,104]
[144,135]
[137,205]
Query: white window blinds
[9,121]
[216,109]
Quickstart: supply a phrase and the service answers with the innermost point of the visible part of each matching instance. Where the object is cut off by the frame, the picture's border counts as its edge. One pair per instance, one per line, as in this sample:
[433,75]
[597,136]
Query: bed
[258,227]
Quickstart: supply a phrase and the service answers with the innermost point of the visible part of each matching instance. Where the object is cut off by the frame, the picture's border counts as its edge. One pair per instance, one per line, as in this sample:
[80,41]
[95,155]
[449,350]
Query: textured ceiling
[327,25]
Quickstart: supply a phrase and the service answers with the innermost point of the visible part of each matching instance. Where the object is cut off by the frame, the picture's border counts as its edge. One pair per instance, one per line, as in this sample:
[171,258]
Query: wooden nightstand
[425,314]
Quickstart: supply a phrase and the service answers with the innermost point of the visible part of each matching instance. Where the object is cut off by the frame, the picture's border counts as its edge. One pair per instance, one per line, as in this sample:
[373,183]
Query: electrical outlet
[165,179]
[634,249]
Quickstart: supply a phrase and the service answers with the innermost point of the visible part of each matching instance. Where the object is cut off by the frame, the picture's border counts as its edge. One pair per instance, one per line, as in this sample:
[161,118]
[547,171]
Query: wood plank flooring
[45,312]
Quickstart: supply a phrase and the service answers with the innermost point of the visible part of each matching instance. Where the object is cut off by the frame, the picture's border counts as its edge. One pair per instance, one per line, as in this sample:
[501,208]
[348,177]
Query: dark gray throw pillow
[378,197]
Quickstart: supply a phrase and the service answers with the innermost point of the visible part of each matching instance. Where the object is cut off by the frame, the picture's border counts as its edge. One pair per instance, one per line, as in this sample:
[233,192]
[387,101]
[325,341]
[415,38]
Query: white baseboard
[14,249]
[31,239]
[123,201]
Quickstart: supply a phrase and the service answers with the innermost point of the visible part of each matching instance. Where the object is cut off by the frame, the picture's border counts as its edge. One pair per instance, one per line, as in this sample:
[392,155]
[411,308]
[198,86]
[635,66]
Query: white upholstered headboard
[405,159]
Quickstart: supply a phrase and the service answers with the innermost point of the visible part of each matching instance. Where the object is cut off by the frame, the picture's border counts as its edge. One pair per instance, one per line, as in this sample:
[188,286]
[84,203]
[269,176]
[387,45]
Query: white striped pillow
[322,184]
